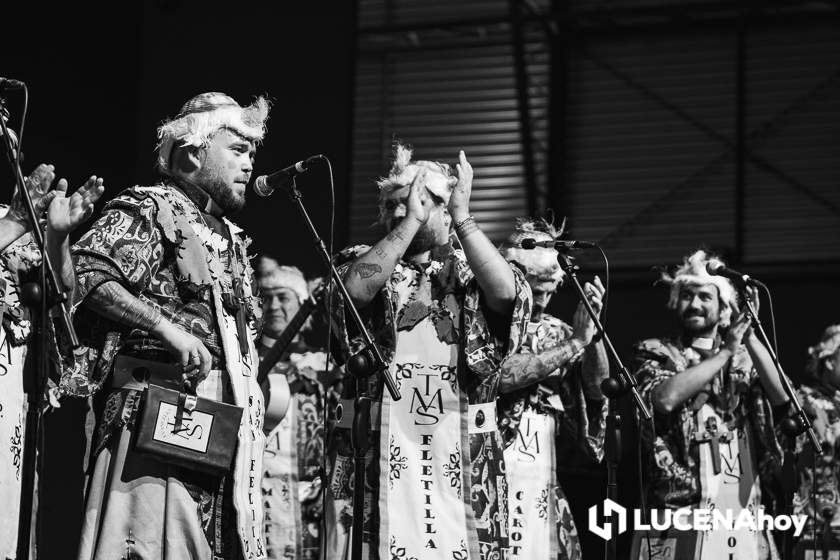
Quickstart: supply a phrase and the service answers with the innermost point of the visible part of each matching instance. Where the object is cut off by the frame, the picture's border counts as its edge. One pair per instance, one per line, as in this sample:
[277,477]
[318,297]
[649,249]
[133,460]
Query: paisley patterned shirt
[672,459]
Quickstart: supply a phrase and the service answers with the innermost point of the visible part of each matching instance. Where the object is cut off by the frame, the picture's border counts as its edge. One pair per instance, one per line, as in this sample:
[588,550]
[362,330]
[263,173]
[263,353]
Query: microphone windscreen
[529,243]
[261,186]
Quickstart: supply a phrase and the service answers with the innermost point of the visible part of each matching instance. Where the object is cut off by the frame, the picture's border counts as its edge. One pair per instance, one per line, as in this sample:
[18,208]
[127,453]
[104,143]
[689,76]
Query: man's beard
[706,328]
[223,195]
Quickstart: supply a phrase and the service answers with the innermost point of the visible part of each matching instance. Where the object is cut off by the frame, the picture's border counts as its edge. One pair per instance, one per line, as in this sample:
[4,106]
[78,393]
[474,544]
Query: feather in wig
[439,178]
[828,345]
[204,115]
[271,275]
[693,272]
[540,264]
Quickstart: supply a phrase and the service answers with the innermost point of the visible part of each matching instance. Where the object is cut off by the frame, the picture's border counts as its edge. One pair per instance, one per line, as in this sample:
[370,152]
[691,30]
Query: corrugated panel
[442,101]
[793,92]
[377,13]
[646,175]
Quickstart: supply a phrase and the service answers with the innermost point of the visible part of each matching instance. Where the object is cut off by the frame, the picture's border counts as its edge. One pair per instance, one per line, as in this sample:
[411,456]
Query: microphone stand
[361,365]
[54,296]
[619,382]
[803,423]
[798,422]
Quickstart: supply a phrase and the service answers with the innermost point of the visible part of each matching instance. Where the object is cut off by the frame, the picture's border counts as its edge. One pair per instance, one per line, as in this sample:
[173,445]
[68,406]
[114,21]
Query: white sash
[12,426]
[735,488]
[422,509]
[529,461]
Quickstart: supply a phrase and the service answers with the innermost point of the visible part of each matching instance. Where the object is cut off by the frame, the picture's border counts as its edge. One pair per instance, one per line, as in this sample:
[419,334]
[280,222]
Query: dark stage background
[103,75]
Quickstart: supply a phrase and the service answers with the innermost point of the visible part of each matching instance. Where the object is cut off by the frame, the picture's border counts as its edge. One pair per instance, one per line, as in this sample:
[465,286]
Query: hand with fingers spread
[38,185]
[459,202]
[67,213]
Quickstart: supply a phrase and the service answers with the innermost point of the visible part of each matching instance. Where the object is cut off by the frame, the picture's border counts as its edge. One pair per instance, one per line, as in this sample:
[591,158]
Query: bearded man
[551,407]
[164,281]
[444,319]
[715,393]
[294,452]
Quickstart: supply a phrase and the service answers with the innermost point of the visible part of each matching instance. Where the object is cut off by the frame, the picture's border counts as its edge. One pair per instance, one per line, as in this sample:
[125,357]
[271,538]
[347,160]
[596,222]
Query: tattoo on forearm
[366,270]
[395,234]
[522,370]
[380,252]
[114,302]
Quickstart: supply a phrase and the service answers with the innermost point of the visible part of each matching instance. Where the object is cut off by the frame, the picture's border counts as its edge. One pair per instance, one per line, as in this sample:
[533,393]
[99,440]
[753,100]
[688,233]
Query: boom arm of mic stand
[56,286]
[800,413]
[570,269]
[370,345]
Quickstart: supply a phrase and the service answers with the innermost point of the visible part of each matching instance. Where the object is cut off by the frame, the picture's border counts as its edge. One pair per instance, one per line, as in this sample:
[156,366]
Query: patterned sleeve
[486,348]
[585,420]
[124,245]
[768,433]
[376,315]
[653,364]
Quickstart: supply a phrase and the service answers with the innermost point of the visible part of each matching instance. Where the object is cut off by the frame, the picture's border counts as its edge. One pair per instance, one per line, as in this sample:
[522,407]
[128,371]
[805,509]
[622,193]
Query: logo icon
[611,509]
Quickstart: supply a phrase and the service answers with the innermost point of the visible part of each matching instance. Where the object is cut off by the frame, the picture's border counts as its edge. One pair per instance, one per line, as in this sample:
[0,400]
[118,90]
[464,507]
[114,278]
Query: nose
[696,303]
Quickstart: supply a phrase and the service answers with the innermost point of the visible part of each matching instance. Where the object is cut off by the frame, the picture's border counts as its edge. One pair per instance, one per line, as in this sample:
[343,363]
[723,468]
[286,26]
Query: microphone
[740,279]
[266,184]
[559,244]
[8,83]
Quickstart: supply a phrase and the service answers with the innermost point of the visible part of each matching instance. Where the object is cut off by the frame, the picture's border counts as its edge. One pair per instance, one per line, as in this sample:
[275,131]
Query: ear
[187,159]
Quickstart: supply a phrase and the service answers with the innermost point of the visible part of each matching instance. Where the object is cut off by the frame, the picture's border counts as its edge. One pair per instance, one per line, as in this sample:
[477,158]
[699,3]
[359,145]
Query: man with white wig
[294,451]
[551,408]
[164,281]
[714,393]
[444,319]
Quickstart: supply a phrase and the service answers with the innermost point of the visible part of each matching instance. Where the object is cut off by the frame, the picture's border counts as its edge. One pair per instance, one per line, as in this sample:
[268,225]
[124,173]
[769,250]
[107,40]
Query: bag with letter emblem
[189,431]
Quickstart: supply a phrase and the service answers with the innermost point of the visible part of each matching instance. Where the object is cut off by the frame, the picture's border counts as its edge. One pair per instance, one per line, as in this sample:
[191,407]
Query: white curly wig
[204,115]
[439,177]
[272,275]
[540,264]
[693,272]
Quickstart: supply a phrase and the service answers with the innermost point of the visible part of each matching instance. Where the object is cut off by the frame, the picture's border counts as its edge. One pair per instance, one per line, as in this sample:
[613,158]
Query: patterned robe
[669,447]
[155,243]
[435,469]
[575,424]
[822,405]
[16,260]
[294,453]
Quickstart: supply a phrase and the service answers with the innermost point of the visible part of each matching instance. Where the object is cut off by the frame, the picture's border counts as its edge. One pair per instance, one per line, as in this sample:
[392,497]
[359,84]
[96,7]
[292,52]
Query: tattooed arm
[368,273]
[492,272]
[114,302]
[524,369]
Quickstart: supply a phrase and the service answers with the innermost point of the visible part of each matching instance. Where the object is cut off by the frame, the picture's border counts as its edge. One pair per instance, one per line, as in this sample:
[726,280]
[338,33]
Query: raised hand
[419,204]
[67,213]
[582,325]
[735,335]
[459,202]
[38,185]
